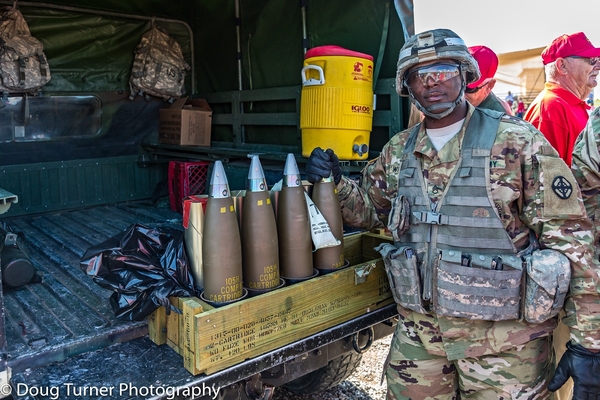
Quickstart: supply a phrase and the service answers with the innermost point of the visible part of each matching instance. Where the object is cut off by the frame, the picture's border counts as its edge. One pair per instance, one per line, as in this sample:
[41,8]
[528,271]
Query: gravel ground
[362,385]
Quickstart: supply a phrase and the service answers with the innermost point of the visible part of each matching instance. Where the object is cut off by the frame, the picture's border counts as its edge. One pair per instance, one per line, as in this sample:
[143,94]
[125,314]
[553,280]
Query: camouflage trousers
[520,373]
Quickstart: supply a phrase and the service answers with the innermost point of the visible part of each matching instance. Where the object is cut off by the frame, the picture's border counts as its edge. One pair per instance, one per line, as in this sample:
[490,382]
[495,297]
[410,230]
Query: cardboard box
[186,122]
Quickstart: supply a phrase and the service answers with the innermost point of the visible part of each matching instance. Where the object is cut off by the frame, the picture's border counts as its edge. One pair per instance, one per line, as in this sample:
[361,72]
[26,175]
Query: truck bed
[67,313]
[62,334]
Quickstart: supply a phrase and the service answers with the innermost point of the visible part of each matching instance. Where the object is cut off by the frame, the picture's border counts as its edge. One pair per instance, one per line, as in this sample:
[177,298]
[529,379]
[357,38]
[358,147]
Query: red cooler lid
[332,50]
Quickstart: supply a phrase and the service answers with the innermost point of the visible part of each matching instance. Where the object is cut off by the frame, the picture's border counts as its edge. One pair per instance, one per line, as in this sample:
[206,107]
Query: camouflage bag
[478,286]
[23,64]
[158,67]
[402,269]
[548,278]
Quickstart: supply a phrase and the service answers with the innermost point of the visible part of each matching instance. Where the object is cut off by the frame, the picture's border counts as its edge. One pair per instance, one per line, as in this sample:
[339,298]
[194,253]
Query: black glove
[321,164]
[584,367]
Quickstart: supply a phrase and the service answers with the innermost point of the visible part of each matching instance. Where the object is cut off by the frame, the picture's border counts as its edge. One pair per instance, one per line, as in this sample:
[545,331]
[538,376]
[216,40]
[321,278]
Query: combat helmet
[434,45]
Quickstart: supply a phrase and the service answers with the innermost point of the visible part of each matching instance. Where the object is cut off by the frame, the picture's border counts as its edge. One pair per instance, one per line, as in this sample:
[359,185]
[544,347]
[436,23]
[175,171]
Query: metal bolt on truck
[83,157]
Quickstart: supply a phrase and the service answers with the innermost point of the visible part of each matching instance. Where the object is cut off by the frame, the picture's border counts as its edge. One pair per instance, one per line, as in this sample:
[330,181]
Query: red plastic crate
[186,179]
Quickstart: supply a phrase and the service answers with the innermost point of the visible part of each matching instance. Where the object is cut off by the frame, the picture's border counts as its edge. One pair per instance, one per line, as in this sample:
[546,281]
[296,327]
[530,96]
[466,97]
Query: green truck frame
[79,162]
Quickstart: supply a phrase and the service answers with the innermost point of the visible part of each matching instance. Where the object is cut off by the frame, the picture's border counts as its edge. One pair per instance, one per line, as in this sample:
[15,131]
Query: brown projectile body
[324,195]
[260,251]
[221,244]
[293,225]
[193,223]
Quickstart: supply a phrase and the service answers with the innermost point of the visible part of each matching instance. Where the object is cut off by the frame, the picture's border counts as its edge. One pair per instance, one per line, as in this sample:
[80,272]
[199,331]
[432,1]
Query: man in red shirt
[560,112]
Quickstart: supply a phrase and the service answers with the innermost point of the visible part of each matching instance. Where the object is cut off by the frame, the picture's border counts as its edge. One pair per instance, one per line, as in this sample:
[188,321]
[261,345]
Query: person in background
[480,93]
[520,109]
[509,98]
[466,193]
[560,111]
[515,105]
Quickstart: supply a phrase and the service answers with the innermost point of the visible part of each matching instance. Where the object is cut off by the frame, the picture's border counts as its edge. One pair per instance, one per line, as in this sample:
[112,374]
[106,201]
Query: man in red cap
[560,111]
[479,93]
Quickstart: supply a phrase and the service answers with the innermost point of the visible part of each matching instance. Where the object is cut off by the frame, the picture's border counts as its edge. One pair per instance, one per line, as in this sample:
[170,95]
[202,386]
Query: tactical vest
[454,257]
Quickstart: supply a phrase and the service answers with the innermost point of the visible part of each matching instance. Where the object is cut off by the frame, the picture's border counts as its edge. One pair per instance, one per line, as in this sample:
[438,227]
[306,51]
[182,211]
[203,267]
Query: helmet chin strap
[448,106]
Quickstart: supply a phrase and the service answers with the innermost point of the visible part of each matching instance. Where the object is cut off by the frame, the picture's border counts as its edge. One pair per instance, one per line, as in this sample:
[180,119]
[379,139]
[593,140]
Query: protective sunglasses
[437,72]
[590,60]
[476,89]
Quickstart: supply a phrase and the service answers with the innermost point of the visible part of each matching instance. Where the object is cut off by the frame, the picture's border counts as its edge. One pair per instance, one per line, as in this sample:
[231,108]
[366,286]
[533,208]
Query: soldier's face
[432,88]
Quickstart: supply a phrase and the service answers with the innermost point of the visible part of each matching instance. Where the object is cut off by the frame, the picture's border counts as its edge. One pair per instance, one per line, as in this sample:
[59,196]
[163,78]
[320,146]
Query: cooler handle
[311,81]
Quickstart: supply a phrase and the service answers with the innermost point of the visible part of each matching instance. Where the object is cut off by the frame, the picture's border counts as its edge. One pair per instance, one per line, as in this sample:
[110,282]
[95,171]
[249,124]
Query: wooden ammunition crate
[210,339]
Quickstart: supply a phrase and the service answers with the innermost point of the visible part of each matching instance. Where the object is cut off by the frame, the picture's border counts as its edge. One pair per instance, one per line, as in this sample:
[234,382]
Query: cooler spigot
[360,149]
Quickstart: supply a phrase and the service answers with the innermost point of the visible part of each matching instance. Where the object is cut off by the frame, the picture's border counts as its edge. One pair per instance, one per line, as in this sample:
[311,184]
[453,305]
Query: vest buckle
[429,217]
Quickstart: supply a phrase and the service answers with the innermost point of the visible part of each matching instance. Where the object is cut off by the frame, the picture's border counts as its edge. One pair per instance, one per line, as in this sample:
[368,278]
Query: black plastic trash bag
[144,266]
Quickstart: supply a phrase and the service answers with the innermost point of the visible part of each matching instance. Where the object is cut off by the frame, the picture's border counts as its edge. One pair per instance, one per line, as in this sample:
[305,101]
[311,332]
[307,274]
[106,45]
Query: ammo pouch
[478,287]
[548,279]
[402,268]
[399,218]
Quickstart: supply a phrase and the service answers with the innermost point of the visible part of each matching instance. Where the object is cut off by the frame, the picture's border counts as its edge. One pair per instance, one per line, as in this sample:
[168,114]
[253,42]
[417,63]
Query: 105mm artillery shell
[260,251]
[324,195]
[221,243]
[293,225]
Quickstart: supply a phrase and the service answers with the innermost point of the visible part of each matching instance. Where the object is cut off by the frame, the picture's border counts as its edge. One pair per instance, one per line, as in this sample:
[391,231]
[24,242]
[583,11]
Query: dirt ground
[364,384]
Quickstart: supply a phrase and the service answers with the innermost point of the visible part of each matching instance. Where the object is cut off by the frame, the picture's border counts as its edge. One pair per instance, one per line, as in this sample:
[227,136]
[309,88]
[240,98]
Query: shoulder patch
[558,189]
[562,187]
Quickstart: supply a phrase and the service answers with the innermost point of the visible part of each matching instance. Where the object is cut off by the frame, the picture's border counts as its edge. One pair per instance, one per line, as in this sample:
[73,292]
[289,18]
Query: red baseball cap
[487,61]
[563,46]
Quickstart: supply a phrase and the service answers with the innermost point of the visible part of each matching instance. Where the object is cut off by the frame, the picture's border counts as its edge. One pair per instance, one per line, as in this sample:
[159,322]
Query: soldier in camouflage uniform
[469,196]
[586,168]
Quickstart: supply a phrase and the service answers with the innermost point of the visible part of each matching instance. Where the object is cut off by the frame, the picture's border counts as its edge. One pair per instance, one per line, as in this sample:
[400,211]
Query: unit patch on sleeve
[559,192]
[562,187]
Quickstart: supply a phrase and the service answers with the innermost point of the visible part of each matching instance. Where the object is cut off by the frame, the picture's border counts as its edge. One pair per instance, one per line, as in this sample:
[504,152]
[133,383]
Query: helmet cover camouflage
[433,45]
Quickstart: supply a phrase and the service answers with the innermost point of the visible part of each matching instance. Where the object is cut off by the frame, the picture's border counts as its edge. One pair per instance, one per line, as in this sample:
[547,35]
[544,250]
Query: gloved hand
[321,164]
[584,367]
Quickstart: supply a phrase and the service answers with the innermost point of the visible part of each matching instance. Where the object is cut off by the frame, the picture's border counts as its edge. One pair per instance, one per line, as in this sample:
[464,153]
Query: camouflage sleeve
[586,168]
[553,208]
[583,309]
[367,204]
